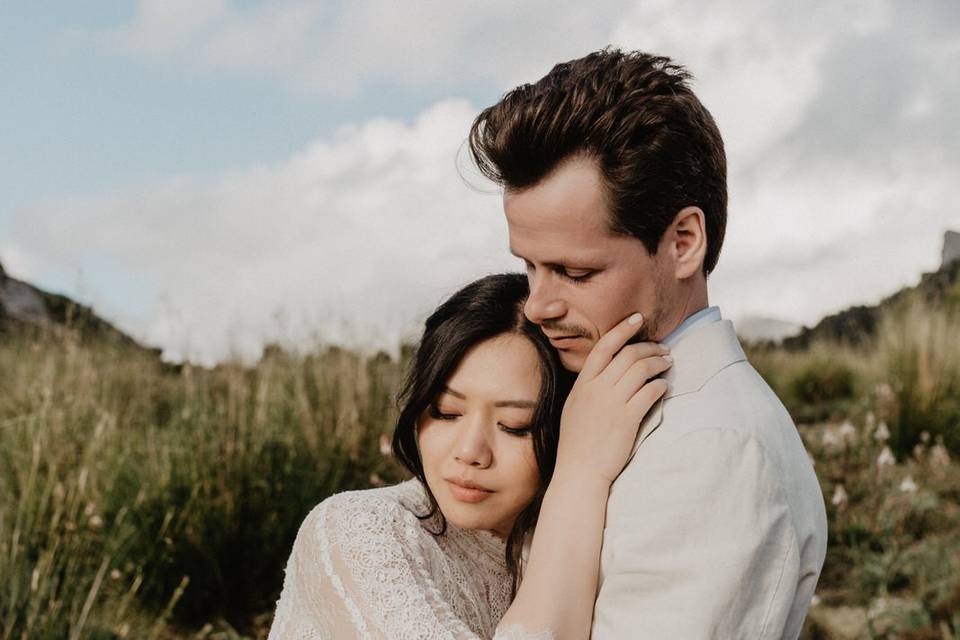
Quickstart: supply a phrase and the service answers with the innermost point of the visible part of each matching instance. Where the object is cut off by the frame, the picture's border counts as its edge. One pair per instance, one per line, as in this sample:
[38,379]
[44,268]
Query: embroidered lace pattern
[364,566]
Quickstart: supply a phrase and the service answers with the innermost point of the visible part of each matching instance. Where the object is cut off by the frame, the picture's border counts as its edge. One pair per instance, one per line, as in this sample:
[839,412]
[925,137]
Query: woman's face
[475,441]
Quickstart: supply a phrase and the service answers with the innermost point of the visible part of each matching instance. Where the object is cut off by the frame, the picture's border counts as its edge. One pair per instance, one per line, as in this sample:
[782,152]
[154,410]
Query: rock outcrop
[951,248]
[24,307]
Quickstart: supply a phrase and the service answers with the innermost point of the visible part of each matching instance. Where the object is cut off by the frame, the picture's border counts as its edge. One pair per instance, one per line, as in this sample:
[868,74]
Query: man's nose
[543,303]
[472,446]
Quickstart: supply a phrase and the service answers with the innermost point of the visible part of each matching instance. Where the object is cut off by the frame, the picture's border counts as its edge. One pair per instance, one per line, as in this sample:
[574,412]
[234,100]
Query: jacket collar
[698,355]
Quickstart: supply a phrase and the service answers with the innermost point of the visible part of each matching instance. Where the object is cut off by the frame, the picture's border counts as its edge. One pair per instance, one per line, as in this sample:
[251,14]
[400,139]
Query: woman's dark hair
[483,309]
[657,147]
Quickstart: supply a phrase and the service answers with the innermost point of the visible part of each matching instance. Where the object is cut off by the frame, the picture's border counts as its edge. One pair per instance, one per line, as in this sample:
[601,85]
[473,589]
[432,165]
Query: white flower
[815,600]
[830,438]
[939,457]
[925,437]
[882,434]
[886,458]
[870,421]
[847,432]
[385,448]
[908,485]
[840,497]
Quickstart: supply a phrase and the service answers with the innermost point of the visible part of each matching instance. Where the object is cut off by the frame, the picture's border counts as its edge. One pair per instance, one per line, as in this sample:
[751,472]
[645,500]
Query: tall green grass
[138,498]
[909,374]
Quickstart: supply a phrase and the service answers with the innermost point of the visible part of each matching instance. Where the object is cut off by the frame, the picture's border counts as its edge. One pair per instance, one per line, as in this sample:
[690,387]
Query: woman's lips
[468,494]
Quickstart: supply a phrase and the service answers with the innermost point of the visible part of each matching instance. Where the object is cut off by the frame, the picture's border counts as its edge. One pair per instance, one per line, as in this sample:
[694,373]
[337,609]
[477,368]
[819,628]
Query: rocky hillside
[25,308]
[857,324]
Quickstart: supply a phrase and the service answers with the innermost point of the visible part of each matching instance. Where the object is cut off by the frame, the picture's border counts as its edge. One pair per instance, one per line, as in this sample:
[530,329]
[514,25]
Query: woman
[438,556]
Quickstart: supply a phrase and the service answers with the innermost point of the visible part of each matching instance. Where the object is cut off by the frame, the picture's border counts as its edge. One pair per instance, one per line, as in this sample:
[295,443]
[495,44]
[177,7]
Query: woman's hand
[612,394]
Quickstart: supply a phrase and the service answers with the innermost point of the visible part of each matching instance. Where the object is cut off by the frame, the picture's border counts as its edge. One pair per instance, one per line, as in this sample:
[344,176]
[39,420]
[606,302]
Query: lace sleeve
[359,570]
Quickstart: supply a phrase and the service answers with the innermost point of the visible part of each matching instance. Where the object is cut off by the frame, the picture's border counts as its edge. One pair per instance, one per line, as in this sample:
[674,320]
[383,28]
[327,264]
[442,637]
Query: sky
[212,175]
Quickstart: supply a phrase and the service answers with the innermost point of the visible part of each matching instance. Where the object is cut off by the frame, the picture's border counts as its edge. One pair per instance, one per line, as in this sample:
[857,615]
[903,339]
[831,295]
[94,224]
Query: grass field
[141,500]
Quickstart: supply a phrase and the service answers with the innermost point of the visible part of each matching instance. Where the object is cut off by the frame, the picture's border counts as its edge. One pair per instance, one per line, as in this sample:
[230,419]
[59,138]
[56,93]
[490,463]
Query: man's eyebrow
[517,404]
[555,264]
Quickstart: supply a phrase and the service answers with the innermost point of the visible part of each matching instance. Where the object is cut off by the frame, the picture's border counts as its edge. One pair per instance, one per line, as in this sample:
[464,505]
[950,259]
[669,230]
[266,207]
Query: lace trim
[352,607]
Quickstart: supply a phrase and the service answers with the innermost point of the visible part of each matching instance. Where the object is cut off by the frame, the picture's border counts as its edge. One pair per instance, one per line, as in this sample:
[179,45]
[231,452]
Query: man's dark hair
[484,309]
[657,147]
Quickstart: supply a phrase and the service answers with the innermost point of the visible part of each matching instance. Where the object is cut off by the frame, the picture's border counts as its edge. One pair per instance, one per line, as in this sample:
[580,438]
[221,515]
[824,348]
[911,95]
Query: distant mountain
[24,307]
[858,324]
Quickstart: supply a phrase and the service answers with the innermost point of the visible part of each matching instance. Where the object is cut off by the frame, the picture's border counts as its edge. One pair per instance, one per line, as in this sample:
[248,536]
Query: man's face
[584,279]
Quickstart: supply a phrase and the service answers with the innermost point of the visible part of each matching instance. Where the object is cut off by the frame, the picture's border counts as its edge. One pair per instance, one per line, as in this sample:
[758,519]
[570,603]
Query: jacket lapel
[698,355]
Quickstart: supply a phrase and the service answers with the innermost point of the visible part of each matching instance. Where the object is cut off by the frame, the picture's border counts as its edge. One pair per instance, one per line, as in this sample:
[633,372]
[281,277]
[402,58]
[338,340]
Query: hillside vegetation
[142,500]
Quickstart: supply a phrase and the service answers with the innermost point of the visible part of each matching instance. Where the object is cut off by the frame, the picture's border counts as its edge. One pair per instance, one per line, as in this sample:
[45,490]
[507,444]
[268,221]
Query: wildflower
[882,434]
[886,458]
[908,485]
[925,437]
[830,438]
[815,600]
[115,574]
[95,522]
[840,498]
[376,480]
[847,432]
[918,452]
[939,457]
[869,421]
[884,392]
[90,509]
[385,448]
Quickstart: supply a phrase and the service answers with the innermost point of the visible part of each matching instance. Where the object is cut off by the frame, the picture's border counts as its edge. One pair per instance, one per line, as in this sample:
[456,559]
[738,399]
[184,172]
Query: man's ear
[688,242]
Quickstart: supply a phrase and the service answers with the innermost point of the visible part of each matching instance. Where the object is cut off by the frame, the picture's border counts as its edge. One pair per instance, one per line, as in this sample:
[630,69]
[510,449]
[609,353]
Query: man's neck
[694,300]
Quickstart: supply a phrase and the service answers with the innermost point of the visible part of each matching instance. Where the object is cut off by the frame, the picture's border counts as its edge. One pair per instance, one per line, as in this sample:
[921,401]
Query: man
[614,179]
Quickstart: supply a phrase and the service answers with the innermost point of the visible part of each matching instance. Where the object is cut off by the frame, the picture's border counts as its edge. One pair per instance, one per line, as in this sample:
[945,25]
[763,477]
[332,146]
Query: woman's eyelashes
[515,431]
[437,413]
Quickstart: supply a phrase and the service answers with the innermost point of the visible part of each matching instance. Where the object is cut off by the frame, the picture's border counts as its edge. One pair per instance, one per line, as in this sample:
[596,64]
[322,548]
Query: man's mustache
[565,329]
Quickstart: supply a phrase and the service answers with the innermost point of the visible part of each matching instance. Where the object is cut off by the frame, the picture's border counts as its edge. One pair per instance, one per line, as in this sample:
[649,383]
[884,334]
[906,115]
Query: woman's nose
[472,446]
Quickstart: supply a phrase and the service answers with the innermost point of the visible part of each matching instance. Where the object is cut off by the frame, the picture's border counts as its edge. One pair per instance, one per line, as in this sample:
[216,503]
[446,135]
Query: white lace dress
[364,566]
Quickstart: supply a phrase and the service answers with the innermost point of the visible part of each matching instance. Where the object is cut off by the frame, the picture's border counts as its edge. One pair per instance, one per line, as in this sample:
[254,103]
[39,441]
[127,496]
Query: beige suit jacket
[716,528]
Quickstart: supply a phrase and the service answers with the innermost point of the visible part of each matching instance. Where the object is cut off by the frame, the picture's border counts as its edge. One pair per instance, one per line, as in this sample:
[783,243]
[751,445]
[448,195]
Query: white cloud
[841,125]
[338,48]
[368,229]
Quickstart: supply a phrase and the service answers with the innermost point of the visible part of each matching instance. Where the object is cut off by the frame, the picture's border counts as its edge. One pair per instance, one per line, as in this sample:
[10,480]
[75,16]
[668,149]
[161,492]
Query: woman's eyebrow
[517,404]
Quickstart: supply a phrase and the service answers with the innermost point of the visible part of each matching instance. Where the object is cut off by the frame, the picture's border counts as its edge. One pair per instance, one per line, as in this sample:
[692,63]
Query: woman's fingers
[608,345]
[628,356]
[640,373]
[644,399]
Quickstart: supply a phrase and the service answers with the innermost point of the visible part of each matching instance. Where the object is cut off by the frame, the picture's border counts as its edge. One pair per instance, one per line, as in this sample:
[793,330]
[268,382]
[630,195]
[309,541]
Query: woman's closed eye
[437,414]
[515,431]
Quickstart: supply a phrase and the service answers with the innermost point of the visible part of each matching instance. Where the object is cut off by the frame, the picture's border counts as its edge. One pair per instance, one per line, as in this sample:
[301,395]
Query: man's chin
[572,360]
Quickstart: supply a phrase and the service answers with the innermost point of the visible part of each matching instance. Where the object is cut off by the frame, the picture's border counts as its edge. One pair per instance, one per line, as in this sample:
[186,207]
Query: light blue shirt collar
[704,316]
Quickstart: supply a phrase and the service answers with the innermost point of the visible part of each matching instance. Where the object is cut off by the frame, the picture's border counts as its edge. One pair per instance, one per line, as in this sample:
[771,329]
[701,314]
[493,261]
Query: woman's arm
[614,391]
